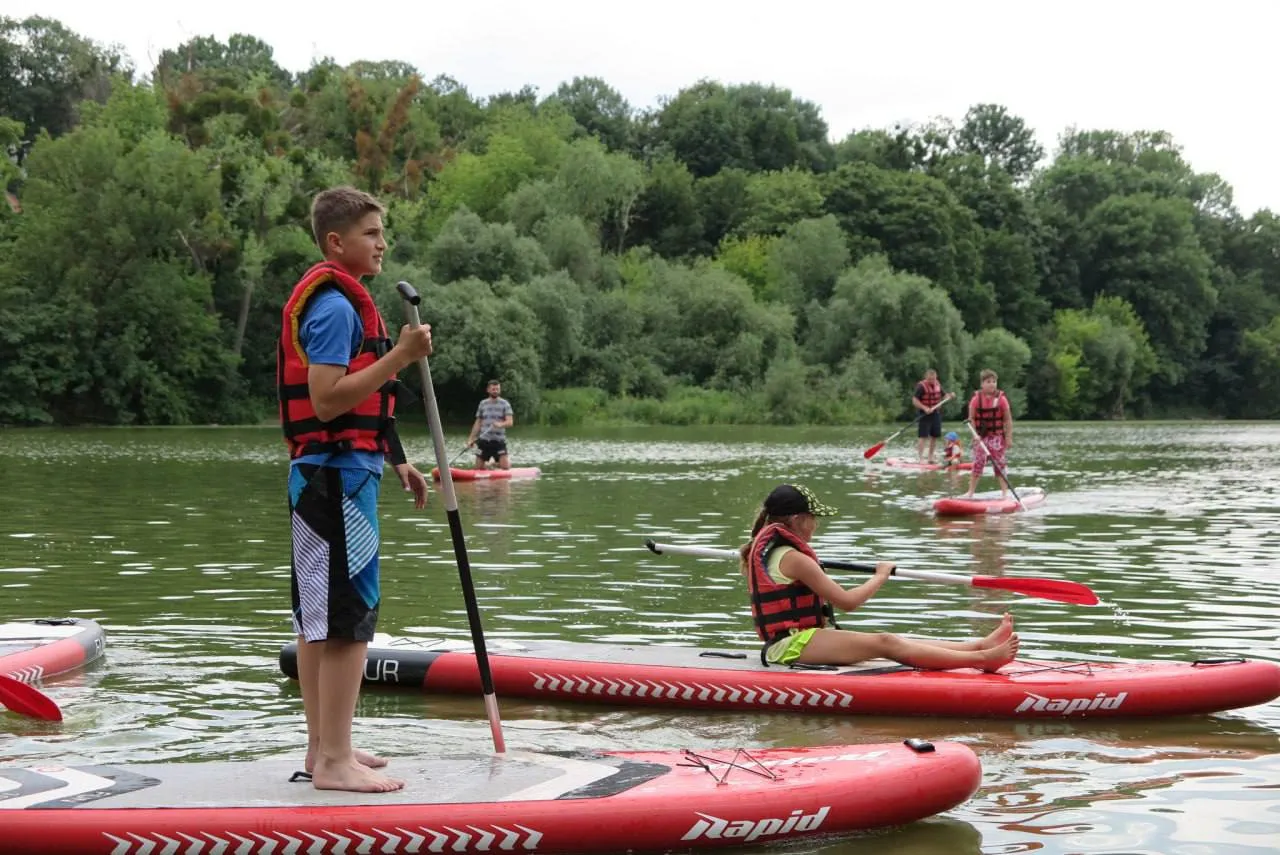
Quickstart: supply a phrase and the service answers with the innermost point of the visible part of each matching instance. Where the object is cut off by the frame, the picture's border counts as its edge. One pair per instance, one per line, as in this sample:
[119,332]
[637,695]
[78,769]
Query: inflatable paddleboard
[666,676]
[989,503]
[33,650]
[489,474]
[904,463]
[584,802]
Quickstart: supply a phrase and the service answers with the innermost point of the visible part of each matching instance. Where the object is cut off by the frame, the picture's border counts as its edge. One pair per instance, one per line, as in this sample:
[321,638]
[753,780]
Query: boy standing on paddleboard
[337,384]
[992,419]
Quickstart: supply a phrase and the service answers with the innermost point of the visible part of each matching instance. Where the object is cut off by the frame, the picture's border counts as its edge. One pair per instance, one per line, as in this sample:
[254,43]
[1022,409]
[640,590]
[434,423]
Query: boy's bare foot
[352,776]
[995,658]
[999,634]
[364,758]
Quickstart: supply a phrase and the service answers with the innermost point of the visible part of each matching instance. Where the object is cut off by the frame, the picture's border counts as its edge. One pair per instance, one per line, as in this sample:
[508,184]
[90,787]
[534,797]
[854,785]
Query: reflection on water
[176,541]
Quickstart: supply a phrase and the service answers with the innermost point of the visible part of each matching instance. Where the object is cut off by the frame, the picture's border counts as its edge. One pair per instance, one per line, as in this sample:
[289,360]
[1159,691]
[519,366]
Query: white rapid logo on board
[714,828]
[1067,706]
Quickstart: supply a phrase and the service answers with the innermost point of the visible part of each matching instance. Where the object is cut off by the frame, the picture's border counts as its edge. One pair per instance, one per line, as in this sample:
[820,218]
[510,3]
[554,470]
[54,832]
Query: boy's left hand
[414,482]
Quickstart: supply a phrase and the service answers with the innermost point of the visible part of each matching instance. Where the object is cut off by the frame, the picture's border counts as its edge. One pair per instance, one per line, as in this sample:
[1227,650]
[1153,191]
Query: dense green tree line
[716,258]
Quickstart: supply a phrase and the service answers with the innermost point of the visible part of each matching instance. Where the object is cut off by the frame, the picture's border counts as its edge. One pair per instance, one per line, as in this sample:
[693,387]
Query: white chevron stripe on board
[488,838]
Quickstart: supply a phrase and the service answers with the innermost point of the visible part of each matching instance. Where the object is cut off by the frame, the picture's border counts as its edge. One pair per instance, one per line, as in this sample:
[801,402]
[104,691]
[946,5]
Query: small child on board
[953,454]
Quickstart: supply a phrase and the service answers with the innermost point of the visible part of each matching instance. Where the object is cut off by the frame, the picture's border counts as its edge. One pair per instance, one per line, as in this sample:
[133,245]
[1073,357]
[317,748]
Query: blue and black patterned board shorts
[335,552]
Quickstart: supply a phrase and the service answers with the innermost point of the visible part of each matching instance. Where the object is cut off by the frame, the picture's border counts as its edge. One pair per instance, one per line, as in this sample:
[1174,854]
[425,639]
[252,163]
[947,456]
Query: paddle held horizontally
[1058,590]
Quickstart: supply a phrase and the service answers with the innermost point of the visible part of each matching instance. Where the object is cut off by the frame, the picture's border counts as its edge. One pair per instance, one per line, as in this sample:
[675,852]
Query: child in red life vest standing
[993,421]
[337,388]
[791,597]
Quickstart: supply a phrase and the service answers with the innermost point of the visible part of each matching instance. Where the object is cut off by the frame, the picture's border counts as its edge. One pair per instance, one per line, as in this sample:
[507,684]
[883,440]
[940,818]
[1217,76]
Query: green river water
[176,540]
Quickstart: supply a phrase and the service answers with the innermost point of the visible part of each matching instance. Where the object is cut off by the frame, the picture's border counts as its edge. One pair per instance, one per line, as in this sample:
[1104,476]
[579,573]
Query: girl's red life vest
[988,420]
[930,392]
[778,609]
[362,428]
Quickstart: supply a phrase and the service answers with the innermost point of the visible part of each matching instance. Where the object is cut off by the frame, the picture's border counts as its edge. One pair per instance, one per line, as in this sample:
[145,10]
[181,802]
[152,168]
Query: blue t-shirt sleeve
[506,409]
[331,329]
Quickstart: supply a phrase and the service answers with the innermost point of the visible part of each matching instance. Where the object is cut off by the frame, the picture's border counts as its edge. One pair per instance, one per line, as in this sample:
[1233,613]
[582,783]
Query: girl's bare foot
[999,634]
[364,758]
[352,776]
[995,658]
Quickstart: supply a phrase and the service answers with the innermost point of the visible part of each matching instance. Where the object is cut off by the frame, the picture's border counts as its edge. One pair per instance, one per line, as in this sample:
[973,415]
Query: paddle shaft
[27,700]
[1058,590]
[875,449]
[466,447]
[1000,470]
[711,552]
[411,300]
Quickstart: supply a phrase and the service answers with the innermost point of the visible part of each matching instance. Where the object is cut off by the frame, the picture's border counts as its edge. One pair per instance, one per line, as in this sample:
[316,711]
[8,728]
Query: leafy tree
[600,111]
[901,320]
[46,71]
[109,294]
[1097,361]
[917,222]
[776,200]
[688,264]
[1001,139]
[1145,250]
[1008,356]
[711,127]
[468,247]
[232,64]
[805,262]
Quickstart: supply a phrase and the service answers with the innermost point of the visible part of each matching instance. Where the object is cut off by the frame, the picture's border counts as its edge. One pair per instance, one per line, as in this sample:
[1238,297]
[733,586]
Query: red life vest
[988,420]
[930,393]
[364,426]
[778,609]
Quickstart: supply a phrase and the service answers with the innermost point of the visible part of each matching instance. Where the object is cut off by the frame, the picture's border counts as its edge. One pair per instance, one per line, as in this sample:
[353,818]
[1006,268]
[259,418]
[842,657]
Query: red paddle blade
[1046,589]
[873,450]
[27,700]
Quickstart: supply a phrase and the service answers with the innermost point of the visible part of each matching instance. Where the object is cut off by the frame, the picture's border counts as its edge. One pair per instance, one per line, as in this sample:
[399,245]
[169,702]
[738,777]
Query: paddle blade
[873,450]
[1046,589]
[27,700]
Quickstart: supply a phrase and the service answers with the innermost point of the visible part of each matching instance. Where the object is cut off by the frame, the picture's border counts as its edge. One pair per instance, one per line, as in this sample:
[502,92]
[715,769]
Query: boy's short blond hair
[338,209]
[988,374]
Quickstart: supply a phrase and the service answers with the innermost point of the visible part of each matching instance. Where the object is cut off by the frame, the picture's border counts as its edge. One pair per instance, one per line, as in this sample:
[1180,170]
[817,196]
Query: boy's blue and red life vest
[778,609]
[988,420]
[930,392]
[362,428]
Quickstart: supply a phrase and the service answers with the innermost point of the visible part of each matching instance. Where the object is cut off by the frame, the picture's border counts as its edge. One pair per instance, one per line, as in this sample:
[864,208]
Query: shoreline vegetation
[717,259]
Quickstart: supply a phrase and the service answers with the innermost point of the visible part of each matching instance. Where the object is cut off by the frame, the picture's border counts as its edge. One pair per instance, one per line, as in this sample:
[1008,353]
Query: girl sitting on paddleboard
[953,454]
[791,596]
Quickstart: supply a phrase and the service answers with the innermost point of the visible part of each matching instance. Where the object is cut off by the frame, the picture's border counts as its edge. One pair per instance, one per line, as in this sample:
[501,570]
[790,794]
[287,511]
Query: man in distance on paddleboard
[489,432]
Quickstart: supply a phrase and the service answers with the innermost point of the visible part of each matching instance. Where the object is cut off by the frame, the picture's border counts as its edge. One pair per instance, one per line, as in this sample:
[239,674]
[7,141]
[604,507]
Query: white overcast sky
[1196,69]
